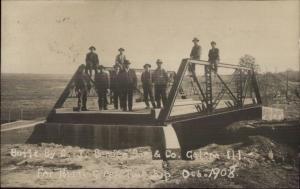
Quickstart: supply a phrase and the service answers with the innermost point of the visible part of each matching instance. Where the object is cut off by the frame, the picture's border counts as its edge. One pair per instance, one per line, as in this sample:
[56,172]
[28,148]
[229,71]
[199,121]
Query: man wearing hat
[102,86]
[92,61]
[160,80]
[120,58]
[195,53]
[115,86]
[82,88]
[213,56]
[128,82]
[146,79]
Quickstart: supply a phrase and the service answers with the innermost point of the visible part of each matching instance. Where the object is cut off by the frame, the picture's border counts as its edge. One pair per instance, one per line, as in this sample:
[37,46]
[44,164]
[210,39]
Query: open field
[31,95]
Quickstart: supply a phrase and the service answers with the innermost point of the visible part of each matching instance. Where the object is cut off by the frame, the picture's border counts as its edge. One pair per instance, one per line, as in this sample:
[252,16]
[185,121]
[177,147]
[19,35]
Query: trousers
[160,95]
[147,89]
[127,98]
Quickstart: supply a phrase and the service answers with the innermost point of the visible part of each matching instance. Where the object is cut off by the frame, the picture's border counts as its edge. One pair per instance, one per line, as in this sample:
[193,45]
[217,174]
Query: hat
[147,65]
[213,42]
[117,66]
[81,67]
[195,39]
[121,49]
[100,67]
[127,62]
[92,47]
[158,61]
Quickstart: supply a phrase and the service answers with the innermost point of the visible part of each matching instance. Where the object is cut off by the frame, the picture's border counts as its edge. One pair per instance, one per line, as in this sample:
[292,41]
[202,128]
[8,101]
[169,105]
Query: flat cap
[92,47]
[158,61]
[195,39]
[147,65]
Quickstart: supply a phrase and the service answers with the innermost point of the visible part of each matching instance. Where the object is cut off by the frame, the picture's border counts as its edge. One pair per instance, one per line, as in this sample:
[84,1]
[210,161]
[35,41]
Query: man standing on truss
[195,53]
[92,61]
[213,56]
[121,58]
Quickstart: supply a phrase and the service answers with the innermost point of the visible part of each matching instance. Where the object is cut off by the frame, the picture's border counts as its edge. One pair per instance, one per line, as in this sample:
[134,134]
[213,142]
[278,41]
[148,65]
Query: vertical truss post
[208,84]
[239,88]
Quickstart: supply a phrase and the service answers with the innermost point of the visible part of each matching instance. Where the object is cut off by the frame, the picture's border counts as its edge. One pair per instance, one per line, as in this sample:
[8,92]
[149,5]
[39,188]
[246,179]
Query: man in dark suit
[213,56]
[146,79]
[102,86]
[195,53]
[160,80]
[115,86]
[92,61]
[128,82]
[82,88]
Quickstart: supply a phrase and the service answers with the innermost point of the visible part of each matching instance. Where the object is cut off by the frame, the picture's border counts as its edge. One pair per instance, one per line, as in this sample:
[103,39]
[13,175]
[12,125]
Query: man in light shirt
[160,80]
[120,58]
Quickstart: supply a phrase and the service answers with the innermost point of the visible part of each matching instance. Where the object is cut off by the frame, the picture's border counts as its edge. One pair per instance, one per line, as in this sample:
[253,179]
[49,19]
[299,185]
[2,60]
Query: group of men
[122,80]
[213,54]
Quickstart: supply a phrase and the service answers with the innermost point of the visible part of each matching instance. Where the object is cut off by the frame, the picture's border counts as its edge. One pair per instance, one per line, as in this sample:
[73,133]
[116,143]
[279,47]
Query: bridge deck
[183,109]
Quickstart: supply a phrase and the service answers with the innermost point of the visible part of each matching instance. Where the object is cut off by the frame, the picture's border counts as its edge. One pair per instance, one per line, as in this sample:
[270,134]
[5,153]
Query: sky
[54,36]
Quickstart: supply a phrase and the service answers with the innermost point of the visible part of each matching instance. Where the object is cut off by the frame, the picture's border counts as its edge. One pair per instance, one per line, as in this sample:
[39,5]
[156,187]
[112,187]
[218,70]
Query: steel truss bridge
[232,93]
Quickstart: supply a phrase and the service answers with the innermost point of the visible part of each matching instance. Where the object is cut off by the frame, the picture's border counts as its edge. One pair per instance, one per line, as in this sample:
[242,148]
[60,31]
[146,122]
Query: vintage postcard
[150,94]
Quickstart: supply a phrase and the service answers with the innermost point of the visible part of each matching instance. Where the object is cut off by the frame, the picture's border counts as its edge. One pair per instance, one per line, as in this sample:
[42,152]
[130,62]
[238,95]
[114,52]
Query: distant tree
[249,62]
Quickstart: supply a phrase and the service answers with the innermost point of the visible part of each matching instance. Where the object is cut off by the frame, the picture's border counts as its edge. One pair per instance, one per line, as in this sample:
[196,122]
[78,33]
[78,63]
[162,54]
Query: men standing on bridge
[160,80]
[102,86]
[92,61]
[128,82]
[115,86]
[121,58]
[146,79]
[82,88]
[195,53]
[213,56]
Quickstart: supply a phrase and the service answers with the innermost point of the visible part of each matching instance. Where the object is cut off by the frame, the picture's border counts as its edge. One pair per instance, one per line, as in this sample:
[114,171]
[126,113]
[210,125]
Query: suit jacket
[115,80]
[92,59]
[102,81]
[120,59]
[82,82]
[196,52]
[213,55]
[160,77]
[128,78]
[146,78]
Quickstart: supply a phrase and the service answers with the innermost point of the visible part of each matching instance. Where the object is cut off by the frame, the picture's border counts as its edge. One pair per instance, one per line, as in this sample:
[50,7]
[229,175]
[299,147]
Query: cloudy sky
[54,36]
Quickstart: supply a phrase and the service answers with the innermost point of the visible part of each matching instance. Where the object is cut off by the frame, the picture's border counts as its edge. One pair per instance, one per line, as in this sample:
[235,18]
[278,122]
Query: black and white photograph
[150,93]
